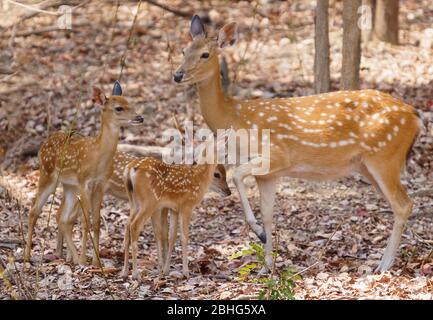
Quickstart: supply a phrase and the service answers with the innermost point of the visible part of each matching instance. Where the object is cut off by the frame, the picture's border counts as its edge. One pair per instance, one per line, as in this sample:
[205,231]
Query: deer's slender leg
[267,199]
[97,195]
[157,230]
[46,186]
[136,226]
[127,241]
[185,215]
[164,232]
[387,176]
[85,205]
[67,219]
[239,175]
[174,218]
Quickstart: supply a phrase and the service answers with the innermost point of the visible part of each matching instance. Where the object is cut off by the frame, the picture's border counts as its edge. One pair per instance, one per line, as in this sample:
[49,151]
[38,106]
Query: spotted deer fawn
[82,165]
[153,185]
[316,137]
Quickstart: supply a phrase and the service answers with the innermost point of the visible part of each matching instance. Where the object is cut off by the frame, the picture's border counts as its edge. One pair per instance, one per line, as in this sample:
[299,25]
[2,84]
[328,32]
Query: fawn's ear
[227,35]
[197,28]
[99,96]
[117,89]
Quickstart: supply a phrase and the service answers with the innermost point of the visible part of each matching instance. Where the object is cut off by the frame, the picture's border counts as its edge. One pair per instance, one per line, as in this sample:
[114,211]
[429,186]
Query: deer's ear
[117,89]
[197,28]
[99,96]
[227,35]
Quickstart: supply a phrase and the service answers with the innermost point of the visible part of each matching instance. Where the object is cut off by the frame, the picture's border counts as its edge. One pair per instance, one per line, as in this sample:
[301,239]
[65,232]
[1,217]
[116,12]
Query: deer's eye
[217,175]
[183,52]
[205,55]
[119,109]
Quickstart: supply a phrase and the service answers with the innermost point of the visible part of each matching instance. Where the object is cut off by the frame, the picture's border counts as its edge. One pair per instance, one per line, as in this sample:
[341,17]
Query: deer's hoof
[124,274]
[262,237]
[136,275]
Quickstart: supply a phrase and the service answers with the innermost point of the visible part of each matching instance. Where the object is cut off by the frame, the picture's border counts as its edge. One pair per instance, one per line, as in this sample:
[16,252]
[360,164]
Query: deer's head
[201,55]
[116,106]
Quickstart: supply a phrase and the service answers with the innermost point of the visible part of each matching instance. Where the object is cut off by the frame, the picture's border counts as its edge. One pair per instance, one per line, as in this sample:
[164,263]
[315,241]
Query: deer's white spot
[343,143]
[364,145]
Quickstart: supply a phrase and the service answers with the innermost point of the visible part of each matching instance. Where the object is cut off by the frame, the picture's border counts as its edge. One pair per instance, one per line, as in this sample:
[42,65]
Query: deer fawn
[153,185]
[83,166]
[323,136]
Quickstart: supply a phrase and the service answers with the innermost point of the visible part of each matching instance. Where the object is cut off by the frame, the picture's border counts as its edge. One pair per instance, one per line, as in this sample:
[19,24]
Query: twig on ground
[321,253]
[42,30]
[422,193]
[167,8]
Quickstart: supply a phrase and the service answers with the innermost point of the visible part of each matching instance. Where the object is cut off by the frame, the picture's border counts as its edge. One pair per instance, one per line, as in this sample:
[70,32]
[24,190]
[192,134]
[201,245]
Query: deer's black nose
[178,76]
[139,119]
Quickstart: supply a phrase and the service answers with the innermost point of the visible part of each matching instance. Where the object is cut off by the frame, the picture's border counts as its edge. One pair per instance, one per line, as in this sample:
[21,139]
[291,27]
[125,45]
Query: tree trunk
[351,45]
[322,82]
[386,21]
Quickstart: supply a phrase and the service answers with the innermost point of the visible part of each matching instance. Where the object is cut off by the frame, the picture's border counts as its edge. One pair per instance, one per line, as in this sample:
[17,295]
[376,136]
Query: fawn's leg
[126,242]
[164,232]
[97,195]
[60,237]
[136,226]
[67,219]
[59,247]
[157,230]
[174,217]
[387,177]
[46,186]
[85,205]
[185,215]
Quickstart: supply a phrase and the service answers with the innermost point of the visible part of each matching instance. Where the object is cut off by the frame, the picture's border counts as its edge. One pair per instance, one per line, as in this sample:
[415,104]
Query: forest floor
[334,233]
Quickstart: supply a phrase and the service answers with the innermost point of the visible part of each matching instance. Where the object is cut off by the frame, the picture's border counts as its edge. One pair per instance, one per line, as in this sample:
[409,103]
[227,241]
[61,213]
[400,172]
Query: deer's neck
[216,107]
[108,138]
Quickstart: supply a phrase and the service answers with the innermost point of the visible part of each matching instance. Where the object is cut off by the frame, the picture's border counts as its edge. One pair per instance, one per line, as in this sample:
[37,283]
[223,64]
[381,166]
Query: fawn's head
[201,55]
[116,106]
[219,181]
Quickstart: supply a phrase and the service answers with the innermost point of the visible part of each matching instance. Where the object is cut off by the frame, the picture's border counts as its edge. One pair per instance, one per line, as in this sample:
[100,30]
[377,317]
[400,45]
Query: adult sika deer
[325,136]
[82,165]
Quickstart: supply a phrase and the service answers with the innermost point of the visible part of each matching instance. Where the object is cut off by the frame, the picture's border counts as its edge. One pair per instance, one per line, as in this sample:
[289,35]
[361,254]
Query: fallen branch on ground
[167,8]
